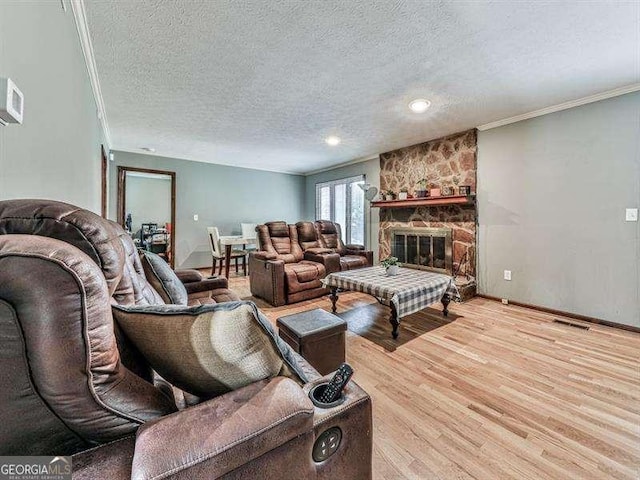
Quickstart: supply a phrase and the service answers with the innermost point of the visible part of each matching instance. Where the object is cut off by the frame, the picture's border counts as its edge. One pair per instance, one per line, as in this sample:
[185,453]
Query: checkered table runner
[410,291]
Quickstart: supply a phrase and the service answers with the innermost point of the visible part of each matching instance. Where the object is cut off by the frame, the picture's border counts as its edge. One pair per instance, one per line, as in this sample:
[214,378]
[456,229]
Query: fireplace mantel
[426,202]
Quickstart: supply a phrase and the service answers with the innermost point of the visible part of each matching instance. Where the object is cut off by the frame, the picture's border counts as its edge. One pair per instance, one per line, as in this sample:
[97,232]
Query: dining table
[229,241]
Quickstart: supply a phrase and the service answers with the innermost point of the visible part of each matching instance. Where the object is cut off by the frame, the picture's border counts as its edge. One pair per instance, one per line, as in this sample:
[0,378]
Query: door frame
[104,170]
[122,183]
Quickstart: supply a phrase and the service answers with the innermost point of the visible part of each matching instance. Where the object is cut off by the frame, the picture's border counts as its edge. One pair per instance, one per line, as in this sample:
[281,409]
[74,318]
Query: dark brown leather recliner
[279,272]
[351,256]
[71,383]
[313,249]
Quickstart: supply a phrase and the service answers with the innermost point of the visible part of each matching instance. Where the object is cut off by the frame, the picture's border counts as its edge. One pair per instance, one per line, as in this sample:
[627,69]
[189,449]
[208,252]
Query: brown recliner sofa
[71,383]
[280,274]
[352,256]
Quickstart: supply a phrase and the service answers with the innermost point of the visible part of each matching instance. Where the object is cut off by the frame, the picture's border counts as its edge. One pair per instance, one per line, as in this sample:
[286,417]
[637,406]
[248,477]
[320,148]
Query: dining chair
[219,255]
[249,231]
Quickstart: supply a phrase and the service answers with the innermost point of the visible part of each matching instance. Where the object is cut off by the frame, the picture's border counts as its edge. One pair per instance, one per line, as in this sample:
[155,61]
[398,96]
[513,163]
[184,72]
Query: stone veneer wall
[448,161]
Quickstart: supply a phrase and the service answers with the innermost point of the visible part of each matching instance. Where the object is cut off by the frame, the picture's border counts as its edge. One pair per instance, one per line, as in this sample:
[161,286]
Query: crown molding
[80,16]
[219,164]
[345,164]
[562,106]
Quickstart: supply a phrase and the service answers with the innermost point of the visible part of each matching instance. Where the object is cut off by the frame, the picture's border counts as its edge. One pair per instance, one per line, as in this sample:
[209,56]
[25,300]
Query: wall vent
[570,324]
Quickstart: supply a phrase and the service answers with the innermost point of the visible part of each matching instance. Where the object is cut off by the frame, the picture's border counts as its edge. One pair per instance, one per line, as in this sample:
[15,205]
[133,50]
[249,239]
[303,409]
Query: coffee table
[408,292]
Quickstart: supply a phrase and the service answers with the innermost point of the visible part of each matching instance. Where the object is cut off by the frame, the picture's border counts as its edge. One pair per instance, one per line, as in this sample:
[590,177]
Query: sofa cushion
[307,235]
[163,279]
[209,350]
[330,236]
[280,241]
[303,275]
[350,262]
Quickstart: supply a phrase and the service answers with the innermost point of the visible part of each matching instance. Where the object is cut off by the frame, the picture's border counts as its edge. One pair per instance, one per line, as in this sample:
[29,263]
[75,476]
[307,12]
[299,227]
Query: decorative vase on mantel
[421,191]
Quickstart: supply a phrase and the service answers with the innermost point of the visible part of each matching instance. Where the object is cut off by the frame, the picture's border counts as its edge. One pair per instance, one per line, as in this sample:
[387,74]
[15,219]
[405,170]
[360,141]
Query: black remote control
[334,388]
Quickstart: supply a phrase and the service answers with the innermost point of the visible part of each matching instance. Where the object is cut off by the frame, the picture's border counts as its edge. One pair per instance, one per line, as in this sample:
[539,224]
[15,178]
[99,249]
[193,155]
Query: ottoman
[317,335]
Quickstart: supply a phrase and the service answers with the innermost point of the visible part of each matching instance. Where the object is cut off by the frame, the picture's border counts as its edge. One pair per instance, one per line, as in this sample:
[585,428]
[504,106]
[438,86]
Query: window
[342,201]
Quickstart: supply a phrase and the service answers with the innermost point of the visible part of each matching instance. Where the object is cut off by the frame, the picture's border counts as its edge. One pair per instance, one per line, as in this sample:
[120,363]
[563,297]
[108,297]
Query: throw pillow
[208,350]
[163,279]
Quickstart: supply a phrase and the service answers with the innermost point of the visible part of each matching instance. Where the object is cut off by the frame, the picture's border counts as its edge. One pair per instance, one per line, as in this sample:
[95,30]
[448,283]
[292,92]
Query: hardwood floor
[498,392]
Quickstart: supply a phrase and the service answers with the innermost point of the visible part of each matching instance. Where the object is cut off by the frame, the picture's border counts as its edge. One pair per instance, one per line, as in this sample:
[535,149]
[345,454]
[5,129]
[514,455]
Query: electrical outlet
[505,301]
[195,217]
[631,215]
[507,274]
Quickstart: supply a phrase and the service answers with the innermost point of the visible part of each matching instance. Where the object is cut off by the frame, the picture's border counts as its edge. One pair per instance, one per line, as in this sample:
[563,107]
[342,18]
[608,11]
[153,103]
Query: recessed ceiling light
[419,105]
[148,149]
[332,140]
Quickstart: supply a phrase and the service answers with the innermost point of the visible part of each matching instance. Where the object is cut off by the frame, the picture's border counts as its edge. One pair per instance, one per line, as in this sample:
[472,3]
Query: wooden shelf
[426,202]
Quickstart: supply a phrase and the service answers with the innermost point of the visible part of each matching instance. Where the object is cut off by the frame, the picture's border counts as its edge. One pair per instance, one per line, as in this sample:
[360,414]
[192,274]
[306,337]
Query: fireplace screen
[425,248]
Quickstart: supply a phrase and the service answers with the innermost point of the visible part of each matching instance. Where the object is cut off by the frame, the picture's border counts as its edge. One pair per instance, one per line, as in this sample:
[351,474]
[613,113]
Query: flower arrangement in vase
[391,265]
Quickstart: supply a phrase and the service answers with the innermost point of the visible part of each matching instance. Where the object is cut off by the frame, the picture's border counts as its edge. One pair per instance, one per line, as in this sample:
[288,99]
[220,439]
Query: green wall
[55,153]
[220,195]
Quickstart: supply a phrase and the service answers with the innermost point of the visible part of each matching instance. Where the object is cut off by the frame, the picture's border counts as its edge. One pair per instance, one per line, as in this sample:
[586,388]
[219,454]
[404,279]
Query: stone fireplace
[444,162]
[424,248]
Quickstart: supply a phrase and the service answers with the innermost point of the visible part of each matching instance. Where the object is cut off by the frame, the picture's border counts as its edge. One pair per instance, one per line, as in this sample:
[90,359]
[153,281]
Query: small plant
[404,189]
[389,262]
[421,191]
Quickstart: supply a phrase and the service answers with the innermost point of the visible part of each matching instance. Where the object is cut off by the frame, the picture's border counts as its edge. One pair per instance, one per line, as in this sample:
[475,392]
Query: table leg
[445,303]
[227,259]
[393,320]
[334,299]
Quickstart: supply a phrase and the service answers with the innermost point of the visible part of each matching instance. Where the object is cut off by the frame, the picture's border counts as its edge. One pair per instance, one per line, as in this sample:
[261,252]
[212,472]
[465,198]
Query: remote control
[338,382]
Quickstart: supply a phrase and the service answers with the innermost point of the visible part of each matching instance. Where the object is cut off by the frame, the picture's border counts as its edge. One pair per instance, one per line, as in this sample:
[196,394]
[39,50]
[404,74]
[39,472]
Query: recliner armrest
[263,255]
[318,250]
[207,284]
[189,275]
[368,254]
[267,279]
[354,417]
[216,437]
[330,260]
[354,246]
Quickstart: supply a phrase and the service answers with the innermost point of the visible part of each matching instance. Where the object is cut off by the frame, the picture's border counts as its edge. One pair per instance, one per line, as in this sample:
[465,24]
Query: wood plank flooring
[498,392]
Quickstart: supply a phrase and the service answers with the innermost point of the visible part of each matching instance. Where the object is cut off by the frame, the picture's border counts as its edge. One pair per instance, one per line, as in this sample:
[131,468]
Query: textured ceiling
[261,83]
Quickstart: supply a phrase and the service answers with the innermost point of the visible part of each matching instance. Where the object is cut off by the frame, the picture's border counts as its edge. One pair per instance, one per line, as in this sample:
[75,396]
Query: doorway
[147,209]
